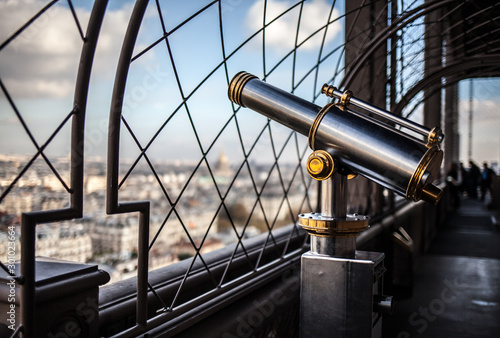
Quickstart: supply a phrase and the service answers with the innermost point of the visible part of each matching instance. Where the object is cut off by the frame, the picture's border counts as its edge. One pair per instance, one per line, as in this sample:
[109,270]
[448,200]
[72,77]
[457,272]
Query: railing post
[59,300]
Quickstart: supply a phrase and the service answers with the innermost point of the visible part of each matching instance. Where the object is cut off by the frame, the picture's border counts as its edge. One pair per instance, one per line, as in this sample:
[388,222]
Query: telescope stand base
[338,295]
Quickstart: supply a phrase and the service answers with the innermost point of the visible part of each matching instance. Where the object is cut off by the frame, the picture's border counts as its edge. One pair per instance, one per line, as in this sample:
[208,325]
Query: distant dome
[222,162]
[223,167]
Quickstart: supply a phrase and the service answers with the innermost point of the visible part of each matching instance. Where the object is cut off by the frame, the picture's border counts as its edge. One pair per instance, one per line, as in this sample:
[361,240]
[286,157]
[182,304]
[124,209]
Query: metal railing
[26,276]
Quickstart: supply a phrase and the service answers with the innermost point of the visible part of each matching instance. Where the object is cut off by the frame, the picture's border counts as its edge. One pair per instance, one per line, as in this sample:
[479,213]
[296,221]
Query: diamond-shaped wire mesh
[35,131]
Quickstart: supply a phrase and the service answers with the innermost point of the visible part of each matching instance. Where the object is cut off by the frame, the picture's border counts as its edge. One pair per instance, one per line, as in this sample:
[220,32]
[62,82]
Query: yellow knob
[316,166]
[320,165]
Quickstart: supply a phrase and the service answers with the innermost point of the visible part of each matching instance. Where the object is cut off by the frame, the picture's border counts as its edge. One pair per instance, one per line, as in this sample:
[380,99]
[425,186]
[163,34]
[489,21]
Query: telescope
[357,142]
[341,288]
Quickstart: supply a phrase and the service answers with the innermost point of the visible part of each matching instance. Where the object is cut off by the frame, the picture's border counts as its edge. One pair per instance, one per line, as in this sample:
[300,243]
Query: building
[68,242]
[112,235]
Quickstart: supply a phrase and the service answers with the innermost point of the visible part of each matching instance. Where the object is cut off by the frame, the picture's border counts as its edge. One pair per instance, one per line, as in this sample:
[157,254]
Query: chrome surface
[335,93]
[333,205]
[385,125]
[337,295]
[383,155]
[339,194]
[327,207]
[278,105]
[334,246]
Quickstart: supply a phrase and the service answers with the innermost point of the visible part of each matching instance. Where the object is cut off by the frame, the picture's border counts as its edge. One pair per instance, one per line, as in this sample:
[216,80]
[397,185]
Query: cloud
[485,112]
[281,33]
[485,124]
[42,62]
[110,41]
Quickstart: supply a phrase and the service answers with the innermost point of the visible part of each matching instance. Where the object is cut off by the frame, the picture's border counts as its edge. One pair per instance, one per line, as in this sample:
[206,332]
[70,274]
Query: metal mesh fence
[212,174]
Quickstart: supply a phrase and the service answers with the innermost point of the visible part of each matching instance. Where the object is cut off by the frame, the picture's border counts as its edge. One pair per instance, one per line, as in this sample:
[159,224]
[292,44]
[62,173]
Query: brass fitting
[320,165]
[318,225]
[418,187]
[435,137]
[346,97]
[328,90]
[236,86]
[316,123]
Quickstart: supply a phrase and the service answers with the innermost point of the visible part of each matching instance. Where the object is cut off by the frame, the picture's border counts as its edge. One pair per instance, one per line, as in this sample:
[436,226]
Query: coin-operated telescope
[341,288]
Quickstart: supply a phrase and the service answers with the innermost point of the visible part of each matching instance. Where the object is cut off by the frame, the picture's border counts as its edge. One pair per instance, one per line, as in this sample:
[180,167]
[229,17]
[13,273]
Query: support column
[452,139]
[341,288]
[433,61]
[362,24]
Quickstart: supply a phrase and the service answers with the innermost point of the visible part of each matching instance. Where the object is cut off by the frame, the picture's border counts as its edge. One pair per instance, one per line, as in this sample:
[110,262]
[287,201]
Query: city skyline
[111,240]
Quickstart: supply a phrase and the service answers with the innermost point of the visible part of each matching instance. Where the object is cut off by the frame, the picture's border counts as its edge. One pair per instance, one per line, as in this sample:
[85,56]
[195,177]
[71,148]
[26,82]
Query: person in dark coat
[463,179]
[486,177]
[473,179]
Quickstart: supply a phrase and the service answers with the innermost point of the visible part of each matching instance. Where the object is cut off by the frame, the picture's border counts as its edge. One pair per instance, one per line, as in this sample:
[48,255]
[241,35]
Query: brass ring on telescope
[236,86]
[328,90]
[316,123]
[431,160]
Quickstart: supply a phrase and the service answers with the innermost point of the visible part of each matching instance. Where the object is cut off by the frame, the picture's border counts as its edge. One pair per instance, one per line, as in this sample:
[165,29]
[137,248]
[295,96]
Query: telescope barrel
[383,155]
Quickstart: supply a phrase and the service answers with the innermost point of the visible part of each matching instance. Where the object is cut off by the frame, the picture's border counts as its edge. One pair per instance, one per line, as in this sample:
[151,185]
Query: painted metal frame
[29,221]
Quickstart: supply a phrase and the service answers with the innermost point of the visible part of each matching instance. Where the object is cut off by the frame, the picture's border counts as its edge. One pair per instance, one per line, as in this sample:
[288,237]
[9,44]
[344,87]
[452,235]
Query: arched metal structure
[476,66]
[26,278]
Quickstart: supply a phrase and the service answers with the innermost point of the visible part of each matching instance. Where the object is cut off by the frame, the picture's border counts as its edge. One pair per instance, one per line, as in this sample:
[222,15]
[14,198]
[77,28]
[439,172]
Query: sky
[485,120]
[39,71]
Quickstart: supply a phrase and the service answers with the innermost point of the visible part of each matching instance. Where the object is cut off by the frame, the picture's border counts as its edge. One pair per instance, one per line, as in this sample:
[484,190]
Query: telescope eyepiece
[236,86]
[431,194]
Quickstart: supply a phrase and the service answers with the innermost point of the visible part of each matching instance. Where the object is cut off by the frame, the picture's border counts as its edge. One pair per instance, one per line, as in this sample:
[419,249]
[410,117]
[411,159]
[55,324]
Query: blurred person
[486,177]
[463,179]
[474,177]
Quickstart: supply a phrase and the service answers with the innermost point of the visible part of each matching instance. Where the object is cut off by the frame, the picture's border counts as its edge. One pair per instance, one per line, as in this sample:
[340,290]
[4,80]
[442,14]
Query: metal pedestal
[339,297]
[341,288]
